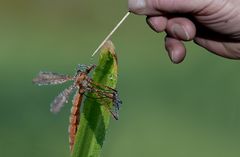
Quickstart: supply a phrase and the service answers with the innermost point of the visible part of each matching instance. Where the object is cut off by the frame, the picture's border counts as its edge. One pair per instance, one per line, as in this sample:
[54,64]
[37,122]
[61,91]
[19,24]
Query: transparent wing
[116,103]
[50,78]
[61,99]
[110,94]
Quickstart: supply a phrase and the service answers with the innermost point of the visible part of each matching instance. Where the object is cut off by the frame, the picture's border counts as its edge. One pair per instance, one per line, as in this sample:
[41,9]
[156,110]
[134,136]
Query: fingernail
[136,5]
[172,56]
[180,32]
[151,23]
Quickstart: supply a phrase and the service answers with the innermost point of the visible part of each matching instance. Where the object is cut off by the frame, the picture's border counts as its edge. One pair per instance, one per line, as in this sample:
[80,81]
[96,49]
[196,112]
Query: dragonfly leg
[100,85]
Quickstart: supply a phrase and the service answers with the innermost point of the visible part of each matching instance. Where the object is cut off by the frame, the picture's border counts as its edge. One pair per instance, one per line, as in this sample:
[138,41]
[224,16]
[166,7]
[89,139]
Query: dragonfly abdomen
[74,119]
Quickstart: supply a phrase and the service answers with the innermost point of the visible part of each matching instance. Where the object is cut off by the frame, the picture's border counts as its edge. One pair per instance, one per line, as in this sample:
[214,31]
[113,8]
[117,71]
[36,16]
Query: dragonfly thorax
[81,78]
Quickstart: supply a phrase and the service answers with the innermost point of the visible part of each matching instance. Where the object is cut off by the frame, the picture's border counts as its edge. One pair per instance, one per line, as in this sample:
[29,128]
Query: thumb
[158,7]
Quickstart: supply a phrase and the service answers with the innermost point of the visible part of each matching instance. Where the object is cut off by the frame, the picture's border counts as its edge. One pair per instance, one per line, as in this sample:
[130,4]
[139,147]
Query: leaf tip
[108,46]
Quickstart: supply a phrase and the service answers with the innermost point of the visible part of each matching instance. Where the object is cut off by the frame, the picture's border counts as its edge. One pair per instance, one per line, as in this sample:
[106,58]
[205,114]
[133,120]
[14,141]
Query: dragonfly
[82,84]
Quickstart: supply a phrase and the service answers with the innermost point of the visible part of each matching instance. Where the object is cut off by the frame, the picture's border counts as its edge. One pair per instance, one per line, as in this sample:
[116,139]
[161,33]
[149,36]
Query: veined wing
[50,78]
[110,94]
[61,99]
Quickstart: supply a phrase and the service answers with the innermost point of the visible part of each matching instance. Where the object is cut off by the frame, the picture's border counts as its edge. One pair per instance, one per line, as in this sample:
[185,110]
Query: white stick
[111,33]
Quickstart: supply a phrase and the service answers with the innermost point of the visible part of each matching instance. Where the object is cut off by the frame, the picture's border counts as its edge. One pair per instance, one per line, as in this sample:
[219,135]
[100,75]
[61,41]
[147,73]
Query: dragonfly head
[84,68]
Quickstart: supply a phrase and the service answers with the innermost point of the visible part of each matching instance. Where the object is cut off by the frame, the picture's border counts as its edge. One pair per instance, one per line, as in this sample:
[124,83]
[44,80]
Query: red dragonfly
[82,83]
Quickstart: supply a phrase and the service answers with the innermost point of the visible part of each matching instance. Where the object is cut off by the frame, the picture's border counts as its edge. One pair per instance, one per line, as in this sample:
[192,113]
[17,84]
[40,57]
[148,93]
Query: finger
[224,49]
[157,7]
[157,23]
[181,28]
[176,49]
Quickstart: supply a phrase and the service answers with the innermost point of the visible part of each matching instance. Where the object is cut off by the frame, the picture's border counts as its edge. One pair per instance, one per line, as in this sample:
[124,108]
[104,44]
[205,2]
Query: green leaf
[94,119]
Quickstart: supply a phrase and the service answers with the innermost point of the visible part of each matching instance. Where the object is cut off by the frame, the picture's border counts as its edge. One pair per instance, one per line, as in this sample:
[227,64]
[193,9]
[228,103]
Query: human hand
[212,24]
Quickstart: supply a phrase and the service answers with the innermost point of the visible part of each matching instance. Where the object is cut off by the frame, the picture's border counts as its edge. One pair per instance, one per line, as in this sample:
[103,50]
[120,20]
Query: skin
[212,24]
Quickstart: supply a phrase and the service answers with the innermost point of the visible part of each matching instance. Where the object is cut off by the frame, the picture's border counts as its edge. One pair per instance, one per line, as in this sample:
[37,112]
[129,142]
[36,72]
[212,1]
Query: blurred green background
[186,110]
